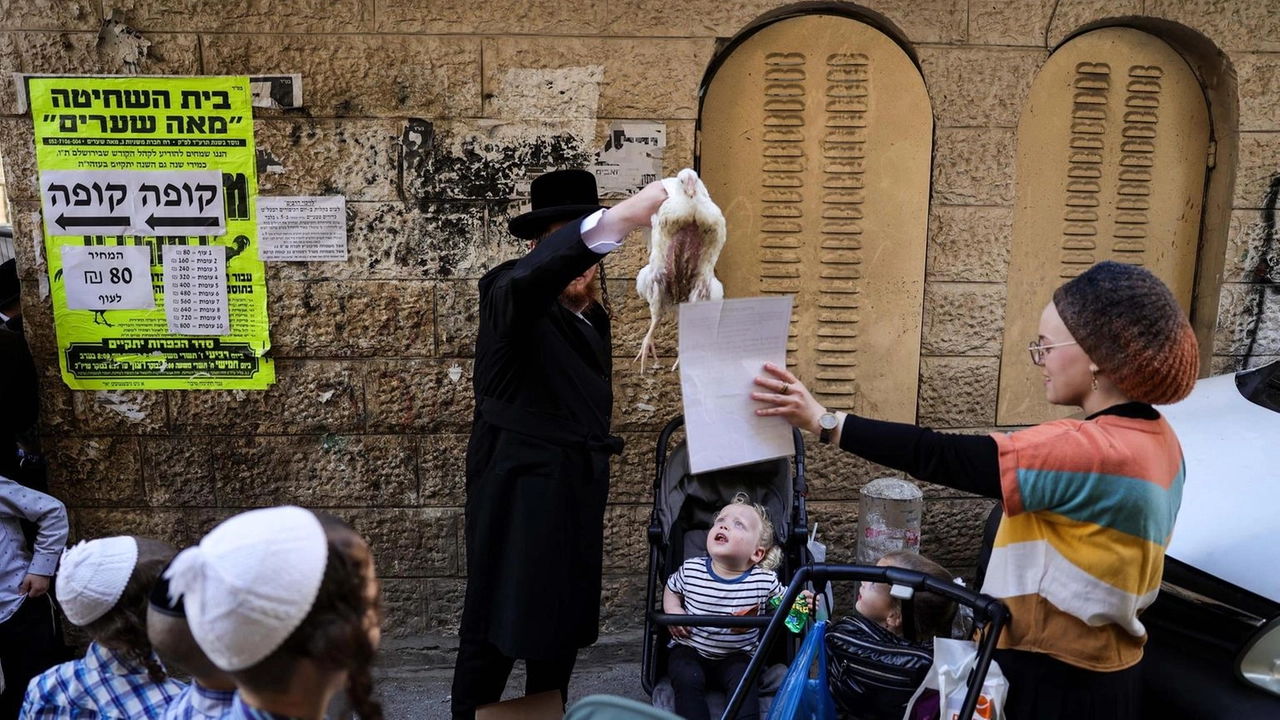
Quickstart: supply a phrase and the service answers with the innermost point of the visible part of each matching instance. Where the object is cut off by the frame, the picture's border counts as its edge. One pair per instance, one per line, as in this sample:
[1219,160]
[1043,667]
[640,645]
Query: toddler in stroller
[878,655]
[734,578]
[682,536]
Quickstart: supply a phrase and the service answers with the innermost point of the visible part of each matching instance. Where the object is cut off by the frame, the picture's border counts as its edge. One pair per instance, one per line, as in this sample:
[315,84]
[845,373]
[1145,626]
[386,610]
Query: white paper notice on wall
[302,228]
[195,289]
[107,278]
[724,345]
[133,202]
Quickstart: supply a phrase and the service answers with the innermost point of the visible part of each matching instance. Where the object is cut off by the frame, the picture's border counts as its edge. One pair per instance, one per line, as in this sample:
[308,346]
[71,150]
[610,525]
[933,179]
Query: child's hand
[807,596]
[679,632]
[33,586]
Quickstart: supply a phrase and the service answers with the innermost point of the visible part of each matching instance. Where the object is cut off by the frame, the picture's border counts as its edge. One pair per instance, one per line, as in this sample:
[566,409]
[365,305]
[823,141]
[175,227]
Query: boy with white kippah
[103,587]
[286,602]
[211,691]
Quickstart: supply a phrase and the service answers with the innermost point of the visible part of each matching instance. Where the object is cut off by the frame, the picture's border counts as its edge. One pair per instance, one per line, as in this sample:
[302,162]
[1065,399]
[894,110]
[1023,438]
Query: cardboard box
[543,706]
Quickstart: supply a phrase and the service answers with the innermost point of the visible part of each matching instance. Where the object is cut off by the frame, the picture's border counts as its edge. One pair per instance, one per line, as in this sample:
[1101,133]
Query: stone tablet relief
[1112,159]
[816,135]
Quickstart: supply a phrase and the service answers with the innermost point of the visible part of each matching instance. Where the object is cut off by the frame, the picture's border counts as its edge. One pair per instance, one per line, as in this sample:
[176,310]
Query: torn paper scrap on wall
[631,157]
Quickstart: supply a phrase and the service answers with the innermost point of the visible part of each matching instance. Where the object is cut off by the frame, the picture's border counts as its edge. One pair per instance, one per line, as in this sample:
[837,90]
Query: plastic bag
[802,697]
[818,551]
[953,660]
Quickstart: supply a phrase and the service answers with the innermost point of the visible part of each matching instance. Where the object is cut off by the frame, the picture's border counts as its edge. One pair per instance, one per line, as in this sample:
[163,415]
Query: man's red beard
[580,297]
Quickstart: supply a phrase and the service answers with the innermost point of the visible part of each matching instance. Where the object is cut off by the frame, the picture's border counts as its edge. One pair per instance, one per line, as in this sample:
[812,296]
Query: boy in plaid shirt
[103,587]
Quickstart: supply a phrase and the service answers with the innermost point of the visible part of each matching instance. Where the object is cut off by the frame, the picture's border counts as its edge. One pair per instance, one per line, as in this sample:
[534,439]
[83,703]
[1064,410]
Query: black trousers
[29,644]
[1044,688]
[692,675]
[481,671]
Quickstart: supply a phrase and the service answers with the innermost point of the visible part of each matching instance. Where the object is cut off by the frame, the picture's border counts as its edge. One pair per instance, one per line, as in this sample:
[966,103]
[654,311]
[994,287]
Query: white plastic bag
[826,601]
[952,662]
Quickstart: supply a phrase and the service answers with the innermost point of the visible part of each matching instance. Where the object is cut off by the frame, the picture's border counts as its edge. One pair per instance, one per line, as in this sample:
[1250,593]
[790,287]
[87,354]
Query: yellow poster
[148,188]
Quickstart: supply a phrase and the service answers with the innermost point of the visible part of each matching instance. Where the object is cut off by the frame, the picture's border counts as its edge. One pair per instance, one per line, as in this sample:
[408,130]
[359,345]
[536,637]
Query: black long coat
[538,458]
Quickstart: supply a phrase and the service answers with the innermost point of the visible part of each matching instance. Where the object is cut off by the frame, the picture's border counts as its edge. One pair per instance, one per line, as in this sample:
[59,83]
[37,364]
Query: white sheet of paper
[195,289]
[724,345]
[133,202]
[107,278]
[302,228]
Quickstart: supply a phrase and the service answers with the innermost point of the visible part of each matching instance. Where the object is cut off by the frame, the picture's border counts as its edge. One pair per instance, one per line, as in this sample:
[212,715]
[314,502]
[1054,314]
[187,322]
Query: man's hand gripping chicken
[688,232]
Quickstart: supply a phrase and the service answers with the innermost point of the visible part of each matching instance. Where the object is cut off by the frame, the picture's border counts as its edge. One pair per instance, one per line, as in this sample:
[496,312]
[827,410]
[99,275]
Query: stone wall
[428,117]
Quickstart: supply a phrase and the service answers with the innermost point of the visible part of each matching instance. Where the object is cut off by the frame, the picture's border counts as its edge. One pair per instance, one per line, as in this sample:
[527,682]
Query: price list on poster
[195,283]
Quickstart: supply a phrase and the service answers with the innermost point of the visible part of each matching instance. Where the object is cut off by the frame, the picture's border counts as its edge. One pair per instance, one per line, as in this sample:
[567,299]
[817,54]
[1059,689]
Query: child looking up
[103,587]
[735,578]
[933,612]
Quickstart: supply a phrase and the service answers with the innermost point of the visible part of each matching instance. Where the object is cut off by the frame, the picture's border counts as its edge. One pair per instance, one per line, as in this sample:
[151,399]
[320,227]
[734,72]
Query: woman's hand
[788,397]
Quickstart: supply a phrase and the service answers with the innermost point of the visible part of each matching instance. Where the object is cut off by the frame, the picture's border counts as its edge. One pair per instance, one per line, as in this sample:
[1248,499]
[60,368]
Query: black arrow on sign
[65,222]
[197,222]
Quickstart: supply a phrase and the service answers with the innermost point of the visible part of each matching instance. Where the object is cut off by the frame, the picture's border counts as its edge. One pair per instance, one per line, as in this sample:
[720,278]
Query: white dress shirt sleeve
[598,240]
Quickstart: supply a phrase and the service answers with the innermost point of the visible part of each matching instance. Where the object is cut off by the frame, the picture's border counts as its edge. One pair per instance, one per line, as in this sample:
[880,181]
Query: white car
[1214,648]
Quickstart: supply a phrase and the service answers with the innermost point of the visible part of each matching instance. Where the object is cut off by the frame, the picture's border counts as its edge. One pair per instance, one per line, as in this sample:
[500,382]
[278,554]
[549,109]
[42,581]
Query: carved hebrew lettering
[1111,147]
[794,122]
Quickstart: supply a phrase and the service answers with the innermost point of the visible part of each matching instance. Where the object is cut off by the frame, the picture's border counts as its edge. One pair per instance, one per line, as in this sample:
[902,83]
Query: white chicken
[687,234]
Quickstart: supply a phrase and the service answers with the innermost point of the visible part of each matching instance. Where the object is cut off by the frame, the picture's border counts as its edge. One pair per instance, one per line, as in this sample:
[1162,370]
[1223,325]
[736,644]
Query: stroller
[989,618]
[684,507]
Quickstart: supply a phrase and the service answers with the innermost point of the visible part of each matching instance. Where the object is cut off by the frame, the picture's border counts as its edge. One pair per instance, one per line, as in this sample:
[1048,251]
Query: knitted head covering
[1130,325]
[250,583]
[93,575]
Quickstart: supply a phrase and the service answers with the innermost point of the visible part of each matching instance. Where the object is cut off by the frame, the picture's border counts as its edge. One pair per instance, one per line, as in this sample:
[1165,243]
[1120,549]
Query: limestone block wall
[431,117]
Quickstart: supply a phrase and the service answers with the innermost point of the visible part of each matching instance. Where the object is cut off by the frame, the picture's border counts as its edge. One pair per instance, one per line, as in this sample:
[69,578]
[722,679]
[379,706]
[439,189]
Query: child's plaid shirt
[102,684]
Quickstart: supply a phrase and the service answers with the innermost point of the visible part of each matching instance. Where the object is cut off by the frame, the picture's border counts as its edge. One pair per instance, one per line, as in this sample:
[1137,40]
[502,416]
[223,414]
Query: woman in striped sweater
[1089,505]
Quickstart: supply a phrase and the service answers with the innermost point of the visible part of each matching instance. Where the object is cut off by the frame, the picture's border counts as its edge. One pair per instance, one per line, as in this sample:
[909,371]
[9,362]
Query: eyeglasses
[1038,351]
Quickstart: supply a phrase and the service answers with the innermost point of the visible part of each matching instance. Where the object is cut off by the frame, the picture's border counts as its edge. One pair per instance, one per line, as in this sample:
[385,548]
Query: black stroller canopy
[695,500]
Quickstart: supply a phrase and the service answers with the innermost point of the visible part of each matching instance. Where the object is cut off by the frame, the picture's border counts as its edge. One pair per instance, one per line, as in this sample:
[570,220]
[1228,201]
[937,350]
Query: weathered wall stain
[122,43]
[448,161]
[1265,273]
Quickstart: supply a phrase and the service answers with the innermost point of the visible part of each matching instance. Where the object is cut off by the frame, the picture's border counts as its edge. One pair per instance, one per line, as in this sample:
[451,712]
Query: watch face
[827,421]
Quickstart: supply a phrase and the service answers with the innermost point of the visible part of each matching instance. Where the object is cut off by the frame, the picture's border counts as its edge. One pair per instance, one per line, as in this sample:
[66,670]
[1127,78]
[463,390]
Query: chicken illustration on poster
[130,167]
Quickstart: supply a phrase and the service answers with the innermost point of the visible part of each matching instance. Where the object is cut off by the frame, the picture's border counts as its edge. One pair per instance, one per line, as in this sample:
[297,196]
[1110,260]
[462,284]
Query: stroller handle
[716,621]
[983,605]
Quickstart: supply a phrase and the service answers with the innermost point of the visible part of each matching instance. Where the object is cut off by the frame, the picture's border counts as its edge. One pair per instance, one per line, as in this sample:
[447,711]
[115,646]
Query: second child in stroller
[735,577]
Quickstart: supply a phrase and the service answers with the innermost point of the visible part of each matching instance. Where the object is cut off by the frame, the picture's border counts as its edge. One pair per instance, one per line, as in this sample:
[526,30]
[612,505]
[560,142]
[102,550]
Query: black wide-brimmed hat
[557,195]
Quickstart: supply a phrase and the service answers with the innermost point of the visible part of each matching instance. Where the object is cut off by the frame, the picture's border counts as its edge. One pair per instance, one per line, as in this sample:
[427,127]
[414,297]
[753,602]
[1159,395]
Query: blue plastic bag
[802,697]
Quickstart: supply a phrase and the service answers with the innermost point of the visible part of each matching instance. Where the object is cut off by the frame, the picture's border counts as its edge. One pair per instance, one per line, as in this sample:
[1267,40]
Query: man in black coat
[538,460]
[19,399]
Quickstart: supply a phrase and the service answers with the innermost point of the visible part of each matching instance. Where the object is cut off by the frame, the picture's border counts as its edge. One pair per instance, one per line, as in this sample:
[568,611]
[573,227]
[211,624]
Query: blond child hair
[773,554]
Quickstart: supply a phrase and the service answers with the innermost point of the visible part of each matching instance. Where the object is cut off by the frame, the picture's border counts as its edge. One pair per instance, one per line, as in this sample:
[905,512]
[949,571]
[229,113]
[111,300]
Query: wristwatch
[827,421]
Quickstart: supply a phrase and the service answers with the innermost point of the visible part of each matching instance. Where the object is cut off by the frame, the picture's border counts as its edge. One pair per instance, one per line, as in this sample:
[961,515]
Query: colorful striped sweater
[1089,510]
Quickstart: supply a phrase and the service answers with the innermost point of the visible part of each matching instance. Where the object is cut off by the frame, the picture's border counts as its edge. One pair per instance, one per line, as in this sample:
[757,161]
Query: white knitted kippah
[92,577]
[250,583]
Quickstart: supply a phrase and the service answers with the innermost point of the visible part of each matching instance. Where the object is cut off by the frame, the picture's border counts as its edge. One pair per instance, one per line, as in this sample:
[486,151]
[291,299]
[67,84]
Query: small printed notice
[108,278]
[195,290]
[302,228]
[724,345]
